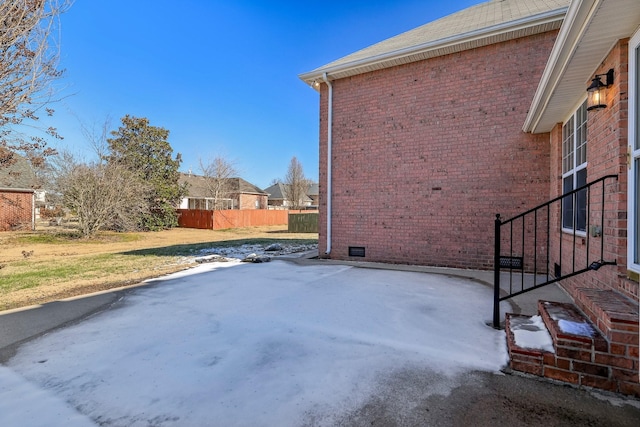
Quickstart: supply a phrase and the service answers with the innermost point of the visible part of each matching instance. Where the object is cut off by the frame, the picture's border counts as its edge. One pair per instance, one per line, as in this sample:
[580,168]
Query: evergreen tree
[144,150]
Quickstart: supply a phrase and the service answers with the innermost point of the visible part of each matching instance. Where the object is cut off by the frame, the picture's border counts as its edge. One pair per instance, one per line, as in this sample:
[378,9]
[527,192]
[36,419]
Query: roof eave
[538,23]
[569,36]
[17,190]
[589,32]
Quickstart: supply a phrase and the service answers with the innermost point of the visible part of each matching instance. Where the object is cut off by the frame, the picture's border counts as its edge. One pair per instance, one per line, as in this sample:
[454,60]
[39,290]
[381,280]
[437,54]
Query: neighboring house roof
[197,186]
[245,187]
[313,190]
[486,23]
[17,176]
[589,31]
[277,192]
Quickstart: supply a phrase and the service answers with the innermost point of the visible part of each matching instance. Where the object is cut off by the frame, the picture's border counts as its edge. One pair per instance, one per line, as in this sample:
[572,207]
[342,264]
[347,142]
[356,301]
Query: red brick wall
[606,154]
[426,154]
[248,201]
[15,210]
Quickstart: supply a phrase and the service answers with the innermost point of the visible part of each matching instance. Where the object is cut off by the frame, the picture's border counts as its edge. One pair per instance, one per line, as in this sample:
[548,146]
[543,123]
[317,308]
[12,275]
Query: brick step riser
[616,317]
[521,359]
[613,352]
[578,359]
[572,356]
[566,339]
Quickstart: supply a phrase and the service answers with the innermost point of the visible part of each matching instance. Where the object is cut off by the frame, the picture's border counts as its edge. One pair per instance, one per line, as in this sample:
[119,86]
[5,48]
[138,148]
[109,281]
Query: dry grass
[53,263]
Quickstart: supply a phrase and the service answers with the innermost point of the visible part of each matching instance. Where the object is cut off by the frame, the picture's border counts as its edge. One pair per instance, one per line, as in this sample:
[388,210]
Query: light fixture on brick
[596,93]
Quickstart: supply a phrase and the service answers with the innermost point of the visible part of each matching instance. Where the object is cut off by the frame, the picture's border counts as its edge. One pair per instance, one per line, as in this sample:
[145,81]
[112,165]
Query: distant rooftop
[16,175]
[198,188]
[277,191]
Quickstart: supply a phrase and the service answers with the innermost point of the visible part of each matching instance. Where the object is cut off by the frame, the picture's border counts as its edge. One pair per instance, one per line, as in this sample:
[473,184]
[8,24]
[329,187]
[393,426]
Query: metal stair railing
[529,243]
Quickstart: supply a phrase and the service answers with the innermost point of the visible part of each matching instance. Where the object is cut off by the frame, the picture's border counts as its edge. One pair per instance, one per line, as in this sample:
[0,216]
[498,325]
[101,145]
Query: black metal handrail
[533,262]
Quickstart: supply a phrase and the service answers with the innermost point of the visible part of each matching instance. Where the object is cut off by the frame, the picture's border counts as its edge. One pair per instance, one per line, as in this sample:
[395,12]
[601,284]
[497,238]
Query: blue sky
[220,75]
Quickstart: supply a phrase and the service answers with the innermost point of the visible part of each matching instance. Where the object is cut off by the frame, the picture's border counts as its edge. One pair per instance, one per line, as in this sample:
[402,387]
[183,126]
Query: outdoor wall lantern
[596,92]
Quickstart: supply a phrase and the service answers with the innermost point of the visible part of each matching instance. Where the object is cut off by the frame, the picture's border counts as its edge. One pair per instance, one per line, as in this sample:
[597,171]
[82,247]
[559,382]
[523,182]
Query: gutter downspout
[329,149]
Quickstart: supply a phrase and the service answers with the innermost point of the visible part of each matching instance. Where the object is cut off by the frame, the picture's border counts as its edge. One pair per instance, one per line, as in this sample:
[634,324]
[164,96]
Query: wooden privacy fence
[303,222]
[233,218]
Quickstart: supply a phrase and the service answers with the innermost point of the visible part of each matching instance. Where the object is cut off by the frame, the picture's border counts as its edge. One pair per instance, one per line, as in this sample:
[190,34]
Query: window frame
[633,192]
[574,171]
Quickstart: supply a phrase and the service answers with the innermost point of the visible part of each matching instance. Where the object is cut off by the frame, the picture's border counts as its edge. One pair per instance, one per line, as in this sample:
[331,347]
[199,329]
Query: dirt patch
[25,248]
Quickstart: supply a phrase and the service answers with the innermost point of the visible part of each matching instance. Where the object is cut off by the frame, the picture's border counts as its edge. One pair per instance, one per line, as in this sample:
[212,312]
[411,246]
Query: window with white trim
[574,171]
[633,234]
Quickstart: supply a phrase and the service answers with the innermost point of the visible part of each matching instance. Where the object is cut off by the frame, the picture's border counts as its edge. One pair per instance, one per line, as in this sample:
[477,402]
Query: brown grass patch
[53,263]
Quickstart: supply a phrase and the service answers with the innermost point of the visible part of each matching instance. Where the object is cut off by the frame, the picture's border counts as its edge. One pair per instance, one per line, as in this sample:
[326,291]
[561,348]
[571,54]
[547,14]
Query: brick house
[239,194]
[427,136]
[17,195]
[278,198]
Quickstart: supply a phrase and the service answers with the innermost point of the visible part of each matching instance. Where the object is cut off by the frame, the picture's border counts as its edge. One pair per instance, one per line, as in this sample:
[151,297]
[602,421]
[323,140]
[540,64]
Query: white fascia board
[458,39]
[573,28]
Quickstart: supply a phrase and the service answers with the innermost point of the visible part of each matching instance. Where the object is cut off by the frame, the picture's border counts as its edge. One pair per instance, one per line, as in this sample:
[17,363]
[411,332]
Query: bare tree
[97,137]
[103,196]
[296,184]
[62,163]
[54,169]
[218,175]
[28,65]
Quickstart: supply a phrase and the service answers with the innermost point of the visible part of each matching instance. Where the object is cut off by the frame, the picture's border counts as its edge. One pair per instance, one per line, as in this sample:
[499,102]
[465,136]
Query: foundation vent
[356,251]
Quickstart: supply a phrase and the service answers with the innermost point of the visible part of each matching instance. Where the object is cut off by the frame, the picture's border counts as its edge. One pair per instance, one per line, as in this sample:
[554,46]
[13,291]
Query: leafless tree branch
[296,184]
[29,56]
[217,174]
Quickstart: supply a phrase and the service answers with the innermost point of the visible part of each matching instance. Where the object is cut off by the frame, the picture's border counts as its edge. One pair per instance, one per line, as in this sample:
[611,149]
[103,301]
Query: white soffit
[590,30]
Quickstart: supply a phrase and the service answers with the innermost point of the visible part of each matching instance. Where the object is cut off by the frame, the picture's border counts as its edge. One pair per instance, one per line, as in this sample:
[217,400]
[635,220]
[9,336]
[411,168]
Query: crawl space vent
[356,251]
